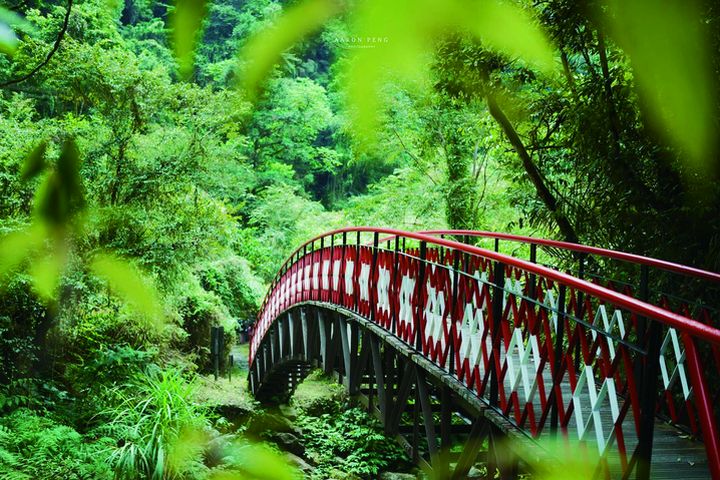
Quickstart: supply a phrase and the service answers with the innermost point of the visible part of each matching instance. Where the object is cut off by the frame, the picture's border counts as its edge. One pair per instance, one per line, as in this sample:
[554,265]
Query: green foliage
[233,280]
[32,447]
[353,436]
[318,394]
[131,286]
[10,21]
[154,412]
[670,51]
[185,20]
[265,48]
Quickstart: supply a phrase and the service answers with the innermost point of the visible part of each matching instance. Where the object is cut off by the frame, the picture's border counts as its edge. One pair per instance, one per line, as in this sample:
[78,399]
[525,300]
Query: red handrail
[679,322]
[577,247]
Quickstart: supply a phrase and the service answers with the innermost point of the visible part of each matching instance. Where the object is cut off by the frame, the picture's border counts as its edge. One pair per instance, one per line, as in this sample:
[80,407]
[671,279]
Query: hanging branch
[55,48]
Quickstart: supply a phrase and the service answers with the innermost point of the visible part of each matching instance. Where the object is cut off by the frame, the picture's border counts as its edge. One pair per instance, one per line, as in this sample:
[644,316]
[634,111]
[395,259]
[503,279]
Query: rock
[475,473]
[288,412]
[287,441]
[272,423]
[397,476]
[299,463]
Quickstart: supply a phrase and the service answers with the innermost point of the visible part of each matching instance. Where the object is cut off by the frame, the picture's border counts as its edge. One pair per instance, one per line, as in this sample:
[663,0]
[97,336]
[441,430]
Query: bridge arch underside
[425,408]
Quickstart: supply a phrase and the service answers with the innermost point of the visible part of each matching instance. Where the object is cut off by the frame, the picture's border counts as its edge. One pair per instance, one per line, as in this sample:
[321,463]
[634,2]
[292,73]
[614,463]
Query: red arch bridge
[449,343]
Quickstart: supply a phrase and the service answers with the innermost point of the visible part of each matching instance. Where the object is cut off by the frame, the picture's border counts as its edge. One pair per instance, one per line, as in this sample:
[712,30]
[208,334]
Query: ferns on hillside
[34,447]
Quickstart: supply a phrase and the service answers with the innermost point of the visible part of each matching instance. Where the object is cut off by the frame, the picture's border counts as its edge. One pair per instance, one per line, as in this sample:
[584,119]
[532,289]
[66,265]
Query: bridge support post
[379,377]
[478,432]
[359,360]
[305,334]
[428,420]
[345,345]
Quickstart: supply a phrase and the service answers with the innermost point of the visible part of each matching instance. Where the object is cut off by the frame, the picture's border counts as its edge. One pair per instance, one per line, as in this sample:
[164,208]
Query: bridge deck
[676,455]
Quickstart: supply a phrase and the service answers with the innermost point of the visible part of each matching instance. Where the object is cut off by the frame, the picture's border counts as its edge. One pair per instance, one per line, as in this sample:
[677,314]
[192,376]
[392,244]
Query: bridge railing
[550,351]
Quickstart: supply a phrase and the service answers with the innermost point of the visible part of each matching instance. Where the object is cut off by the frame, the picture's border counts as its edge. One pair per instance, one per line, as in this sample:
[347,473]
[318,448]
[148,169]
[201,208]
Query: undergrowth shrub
[95,378]
[350,441]
[155,411]
[235,283]
[318,394]
[200,310]
[34,447]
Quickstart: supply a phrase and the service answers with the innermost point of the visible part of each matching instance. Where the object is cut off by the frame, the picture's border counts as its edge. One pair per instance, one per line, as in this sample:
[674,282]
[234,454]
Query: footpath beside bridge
[448,343]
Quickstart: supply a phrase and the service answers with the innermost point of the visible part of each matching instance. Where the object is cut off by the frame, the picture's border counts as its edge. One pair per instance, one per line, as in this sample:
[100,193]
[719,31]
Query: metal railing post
[419,295]
[559,340]
[454,309]
[396,272]
[372,293]
[648,385]
[497,312]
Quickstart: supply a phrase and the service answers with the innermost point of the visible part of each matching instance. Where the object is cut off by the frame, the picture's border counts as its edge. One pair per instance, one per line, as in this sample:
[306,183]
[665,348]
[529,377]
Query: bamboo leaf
[10,21]
[35,162]
[670,55]
[17,246]
[265,49]
[409,29]
[45,273]
[186,24]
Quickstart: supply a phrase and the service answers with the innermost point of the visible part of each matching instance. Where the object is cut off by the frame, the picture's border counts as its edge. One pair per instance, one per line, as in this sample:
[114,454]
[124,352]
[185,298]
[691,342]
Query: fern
[36,447]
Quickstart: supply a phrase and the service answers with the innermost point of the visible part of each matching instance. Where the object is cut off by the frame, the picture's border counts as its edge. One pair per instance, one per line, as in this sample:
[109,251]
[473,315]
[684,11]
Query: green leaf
[408,31]
[130,285]
[35,162]
[265,49]
[186,22]
[17,246]
[45,273]
[68,168]
[671,58]
[509,29]
[9,21]
[60,196]
[260,463]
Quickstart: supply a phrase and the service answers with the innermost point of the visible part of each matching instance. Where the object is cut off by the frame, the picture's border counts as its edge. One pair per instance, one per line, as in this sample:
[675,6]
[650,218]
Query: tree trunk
[547,197]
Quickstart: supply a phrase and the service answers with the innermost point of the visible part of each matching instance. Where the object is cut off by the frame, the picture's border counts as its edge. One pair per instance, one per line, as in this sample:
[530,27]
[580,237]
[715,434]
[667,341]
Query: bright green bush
[232,279]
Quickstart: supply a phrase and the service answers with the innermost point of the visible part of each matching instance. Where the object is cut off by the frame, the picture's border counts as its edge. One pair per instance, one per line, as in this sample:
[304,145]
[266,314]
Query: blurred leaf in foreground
[17,246]
[264,49]
[670,55]
[257,462]
[45,273]
[186,23]
[408,31]
[10,21]
[130,285]
[563,460]
[35,162]
[186,449]
[60,196]
[396,37]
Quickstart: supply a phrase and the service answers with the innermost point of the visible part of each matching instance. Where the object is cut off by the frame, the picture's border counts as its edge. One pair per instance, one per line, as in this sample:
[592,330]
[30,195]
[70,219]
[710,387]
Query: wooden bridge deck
[676,455]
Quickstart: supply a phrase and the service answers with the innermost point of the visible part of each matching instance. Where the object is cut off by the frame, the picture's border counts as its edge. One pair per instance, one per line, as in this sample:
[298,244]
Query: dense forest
[151,187]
